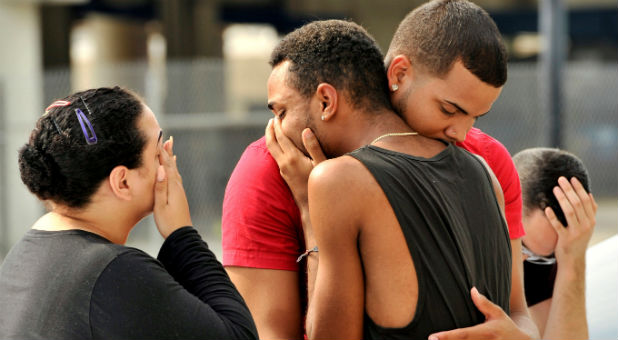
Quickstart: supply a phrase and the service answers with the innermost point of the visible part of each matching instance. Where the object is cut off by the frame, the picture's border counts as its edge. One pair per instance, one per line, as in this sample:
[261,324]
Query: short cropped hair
[440,32]
[60,165]
[539,170]
[337,52]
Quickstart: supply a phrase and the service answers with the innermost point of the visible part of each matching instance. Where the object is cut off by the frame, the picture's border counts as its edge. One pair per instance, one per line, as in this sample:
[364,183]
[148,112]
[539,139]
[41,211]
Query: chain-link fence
[209,143]
[4,244]
[590,121]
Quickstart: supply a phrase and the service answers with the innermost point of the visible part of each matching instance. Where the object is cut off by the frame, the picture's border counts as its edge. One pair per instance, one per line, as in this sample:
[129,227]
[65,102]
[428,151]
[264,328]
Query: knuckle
[492,334]
[568,211]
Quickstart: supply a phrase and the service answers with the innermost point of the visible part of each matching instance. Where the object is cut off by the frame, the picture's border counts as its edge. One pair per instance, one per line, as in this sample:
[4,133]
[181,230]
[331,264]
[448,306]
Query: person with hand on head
[97,160]
[393,250]
[559,218]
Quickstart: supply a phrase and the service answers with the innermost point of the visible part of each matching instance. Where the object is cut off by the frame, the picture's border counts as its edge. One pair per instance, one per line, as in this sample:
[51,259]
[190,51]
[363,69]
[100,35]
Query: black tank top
[449,215]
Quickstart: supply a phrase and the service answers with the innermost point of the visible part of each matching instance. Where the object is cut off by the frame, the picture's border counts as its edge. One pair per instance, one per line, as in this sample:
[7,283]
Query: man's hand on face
[294,166]
[579,210]
[497,324]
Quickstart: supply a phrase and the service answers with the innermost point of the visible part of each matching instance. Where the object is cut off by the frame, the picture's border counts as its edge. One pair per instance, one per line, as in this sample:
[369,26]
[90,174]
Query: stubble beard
[310,123]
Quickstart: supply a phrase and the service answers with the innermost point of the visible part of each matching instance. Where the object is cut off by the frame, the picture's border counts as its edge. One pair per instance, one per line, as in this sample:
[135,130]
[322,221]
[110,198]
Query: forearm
[312,265]
[187,258]
[519,312]
[312,257]
[524,322]
[567,314]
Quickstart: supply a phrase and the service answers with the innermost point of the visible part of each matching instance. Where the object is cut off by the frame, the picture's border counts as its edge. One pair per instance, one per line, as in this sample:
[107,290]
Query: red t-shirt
[261,225]
[500,162]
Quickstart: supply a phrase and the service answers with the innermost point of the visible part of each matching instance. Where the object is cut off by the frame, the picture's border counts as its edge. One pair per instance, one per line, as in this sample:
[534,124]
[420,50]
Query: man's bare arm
[273,299]
[336,302]
[567,313]
[295,168]
[519,308]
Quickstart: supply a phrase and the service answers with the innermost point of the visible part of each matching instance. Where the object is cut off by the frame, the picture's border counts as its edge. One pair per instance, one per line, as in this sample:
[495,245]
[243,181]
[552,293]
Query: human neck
[102,223]
[394,134]
[382,124]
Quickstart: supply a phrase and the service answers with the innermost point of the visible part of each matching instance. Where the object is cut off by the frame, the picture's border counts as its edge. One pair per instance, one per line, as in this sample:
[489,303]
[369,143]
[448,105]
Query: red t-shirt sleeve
[500,162]
[260,225]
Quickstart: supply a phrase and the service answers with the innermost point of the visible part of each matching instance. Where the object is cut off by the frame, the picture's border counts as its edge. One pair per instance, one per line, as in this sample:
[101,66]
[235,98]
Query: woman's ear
[119,182]
[328,98]
[397,71]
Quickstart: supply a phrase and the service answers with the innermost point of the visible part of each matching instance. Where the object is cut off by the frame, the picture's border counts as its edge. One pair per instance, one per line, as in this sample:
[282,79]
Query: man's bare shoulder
[341,192]
[339,172]
[344,182]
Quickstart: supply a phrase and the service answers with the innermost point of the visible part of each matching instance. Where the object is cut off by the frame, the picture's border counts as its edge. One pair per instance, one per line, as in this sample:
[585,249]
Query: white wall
[20,81]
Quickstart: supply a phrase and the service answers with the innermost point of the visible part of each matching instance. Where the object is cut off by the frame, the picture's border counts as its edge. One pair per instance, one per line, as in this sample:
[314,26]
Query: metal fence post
[553,29]
[4,242]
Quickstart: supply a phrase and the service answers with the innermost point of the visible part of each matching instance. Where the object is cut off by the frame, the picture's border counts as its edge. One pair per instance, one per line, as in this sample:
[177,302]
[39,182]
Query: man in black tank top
[405,226]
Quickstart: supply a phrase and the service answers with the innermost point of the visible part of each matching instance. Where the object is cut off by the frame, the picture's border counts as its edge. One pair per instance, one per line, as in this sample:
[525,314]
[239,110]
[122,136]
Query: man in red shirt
[262,225]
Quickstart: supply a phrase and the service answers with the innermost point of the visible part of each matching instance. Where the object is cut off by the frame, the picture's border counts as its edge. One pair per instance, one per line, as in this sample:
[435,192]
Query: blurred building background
[202,67]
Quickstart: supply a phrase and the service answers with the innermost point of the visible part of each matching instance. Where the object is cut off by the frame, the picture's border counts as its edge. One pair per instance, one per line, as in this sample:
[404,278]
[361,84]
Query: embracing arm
[273,298]
[261,240]
[519,308]
[295,168]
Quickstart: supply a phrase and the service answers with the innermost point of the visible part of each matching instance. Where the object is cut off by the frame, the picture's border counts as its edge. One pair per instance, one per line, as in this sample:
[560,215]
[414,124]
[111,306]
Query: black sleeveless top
[449,215]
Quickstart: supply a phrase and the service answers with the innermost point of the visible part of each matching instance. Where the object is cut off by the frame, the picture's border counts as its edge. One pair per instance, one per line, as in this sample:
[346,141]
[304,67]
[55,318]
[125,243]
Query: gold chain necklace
[392,134]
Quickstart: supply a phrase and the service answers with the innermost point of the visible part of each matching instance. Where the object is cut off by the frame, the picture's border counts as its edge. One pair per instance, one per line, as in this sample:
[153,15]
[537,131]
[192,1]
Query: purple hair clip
[82,118]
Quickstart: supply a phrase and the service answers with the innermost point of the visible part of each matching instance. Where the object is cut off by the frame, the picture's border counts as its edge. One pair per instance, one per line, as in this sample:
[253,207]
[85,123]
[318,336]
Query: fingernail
[160,173]
[475,291]
[433,337]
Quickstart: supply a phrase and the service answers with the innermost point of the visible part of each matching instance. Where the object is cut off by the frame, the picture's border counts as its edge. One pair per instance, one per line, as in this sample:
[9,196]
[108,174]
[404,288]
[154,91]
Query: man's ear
[399,68]
[119,182]
[328,98]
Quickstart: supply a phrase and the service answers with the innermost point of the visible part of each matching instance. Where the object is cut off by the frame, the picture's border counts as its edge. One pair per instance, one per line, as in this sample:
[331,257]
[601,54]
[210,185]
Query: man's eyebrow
[479,116]
[457,106]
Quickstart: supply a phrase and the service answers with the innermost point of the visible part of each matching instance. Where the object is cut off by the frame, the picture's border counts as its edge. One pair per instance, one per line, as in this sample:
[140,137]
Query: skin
[439,107]
[446,107]
[564,315]
[357,205]
[447,115]
[540,236]
[273,295]
[127,195]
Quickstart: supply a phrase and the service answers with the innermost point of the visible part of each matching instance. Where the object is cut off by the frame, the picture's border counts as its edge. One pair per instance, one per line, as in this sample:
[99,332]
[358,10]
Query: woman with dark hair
[97,160]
